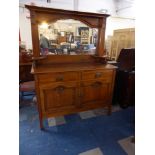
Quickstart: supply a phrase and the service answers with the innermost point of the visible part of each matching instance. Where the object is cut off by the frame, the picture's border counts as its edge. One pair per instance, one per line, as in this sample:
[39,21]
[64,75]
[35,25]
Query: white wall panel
[61,4]
[95,5]
[114,23]
[25,29]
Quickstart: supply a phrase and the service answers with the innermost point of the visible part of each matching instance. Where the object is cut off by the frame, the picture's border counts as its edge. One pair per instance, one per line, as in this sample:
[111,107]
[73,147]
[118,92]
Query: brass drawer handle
[60,78]
[98,74]
[96,84]
[60,89]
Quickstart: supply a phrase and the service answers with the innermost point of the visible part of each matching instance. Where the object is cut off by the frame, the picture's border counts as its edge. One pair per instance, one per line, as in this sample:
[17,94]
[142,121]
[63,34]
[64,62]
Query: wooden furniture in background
[122,38]
[124,92]
[25,72]
[62,39]
[68,84]
[25,64]
[108,43]
[26,79]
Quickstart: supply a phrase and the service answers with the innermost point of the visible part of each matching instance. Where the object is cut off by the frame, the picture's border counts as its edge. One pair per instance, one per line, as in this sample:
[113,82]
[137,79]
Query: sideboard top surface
[48,68]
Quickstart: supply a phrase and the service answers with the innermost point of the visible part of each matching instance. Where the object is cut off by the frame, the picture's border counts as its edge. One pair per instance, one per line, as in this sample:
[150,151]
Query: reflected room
[67,37]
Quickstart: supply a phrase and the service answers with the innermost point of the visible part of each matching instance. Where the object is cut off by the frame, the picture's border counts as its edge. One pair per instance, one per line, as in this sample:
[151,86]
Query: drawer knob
[60,89]
[98,74]
[60,78]
[96,84]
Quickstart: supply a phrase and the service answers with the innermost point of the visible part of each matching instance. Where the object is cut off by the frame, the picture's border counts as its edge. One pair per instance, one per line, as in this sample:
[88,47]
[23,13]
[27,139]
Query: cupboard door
[58,96]
[95,91]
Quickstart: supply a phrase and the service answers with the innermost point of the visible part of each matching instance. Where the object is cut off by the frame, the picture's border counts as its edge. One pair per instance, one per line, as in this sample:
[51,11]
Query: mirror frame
[42,14]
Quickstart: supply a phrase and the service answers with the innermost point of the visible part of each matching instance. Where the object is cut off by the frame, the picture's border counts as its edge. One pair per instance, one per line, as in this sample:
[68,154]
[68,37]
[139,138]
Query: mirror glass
[69,37]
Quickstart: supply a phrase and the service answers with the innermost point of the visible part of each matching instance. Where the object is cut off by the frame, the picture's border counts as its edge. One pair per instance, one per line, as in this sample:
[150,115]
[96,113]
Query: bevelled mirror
[67,37]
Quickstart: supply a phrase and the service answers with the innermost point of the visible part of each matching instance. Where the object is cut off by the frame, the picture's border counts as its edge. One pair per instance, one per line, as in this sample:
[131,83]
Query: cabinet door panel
[58,96]
[94,91]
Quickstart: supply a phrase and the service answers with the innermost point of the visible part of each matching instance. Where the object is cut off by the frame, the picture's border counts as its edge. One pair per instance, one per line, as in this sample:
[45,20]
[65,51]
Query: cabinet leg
[41,125]
[41,122]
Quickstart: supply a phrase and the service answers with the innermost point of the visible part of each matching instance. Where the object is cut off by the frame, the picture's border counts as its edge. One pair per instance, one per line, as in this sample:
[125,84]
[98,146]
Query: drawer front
[58,77]
[98,74]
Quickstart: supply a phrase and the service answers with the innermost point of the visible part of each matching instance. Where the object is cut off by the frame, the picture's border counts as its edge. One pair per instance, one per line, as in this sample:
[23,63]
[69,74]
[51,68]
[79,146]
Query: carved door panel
[58,96]
[123,38]
[94,91]
[122,41]
[132,38]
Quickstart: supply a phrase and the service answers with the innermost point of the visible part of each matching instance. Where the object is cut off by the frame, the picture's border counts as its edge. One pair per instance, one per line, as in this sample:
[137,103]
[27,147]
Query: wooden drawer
[58,77]
[98,74]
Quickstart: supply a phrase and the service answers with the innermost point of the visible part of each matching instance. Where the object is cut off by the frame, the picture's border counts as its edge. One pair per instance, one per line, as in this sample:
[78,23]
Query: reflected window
[69,36]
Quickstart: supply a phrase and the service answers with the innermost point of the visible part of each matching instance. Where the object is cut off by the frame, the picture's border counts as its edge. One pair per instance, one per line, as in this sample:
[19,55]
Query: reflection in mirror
[69,36]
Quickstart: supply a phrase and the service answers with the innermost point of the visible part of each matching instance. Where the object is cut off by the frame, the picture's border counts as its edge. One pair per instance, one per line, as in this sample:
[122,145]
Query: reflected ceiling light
[44,25]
